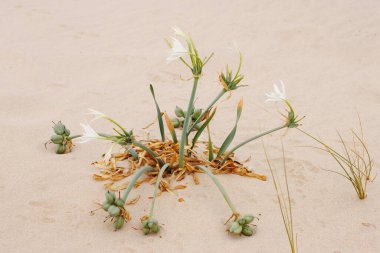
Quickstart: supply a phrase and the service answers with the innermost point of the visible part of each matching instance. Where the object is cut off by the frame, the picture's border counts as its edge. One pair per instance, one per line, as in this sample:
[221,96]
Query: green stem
[186,124]
[249,140]
[221,93]
[220,187]
[162,170]
[136,176]
[151,152]
[75,136]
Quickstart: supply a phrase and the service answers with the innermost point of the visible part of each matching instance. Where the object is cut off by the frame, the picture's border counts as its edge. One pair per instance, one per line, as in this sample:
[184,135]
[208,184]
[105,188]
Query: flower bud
[57,139]
[110,197]
[119,223]
[120,202]
[248,218]
[247,231]
[114,211]
[179,112]
[59,128]
[196,114]
[60,149]
[175,122]
[106,205]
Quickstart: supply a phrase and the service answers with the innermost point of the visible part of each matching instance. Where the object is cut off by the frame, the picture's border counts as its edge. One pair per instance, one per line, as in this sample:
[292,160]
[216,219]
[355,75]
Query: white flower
[277,95]
[178,31]
[96,114]
[177,50]
[108,155]
[89,134]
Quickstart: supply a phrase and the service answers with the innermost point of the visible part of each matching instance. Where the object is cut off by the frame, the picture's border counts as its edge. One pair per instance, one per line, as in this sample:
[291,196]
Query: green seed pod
[234,226]
[67,132]
[120,202]
[155,228]
[179,112]
[175,122]
[106,205]
[146,231]
[248,218]
[110,197]
[247,231]
[238,230]
[57,139]
[196,114]
[114,211]
[119,223]
[145,223]
[241,222]
[59,128]
[60,149]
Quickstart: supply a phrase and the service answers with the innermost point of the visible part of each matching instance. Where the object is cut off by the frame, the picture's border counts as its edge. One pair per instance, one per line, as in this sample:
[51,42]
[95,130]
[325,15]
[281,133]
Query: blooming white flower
[96,114]
[277,95]
[177,50]
[178,31]
[89,134]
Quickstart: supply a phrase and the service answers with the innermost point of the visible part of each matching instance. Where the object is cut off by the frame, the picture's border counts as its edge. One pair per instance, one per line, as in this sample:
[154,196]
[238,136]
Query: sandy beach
[59,58]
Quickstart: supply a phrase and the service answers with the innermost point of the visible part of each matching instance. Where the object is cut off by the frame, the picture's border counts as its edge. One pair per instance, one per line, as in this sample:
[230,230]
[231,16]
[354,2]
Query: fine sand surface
[58,58]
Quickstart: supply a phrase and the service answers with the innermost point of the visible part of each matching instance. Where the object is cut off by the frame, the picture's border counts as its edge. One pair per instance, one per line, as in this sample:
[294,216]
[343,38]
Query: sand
[58,58]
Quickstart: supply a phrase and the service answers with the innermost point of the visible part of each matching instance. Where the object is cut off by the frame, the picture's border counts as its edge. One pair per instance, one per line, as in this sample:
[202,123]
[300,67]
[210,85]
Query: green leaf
[231,135]
[210,149]
[202,128]
[159,115]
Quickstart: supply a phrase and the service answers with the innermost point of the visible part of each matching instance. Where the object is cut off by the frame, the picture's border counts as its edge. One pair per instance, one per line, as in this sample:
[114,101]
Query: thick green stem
[186,124]
[151,152]
[136,176]
[162,170]
[221,93]
[251,139]
[220,187]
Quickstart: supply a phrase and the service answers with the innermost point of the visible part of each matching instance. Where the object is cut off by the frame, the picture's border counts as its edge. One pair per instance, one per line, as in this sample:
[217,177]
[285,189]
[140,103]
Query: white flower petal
[178,31]
[277,94]
[96,114]
[177,50]
[88,134]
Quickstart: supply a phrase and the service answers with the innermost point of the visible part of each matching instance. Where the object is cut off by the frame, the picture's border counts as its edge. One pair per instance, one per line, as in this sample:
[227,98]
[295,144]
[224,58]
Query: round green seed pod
[238,230]
[57,139]
[155,228]
[179,112]
[234,226]
[247,231]
[196,114]
[241,222]
[175,122]
[67,132]
[59,128]
[119,223]
[120,202]
[106,205]
[146,231]
[248,218]
[114,211]
[60,149]
[110,197]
